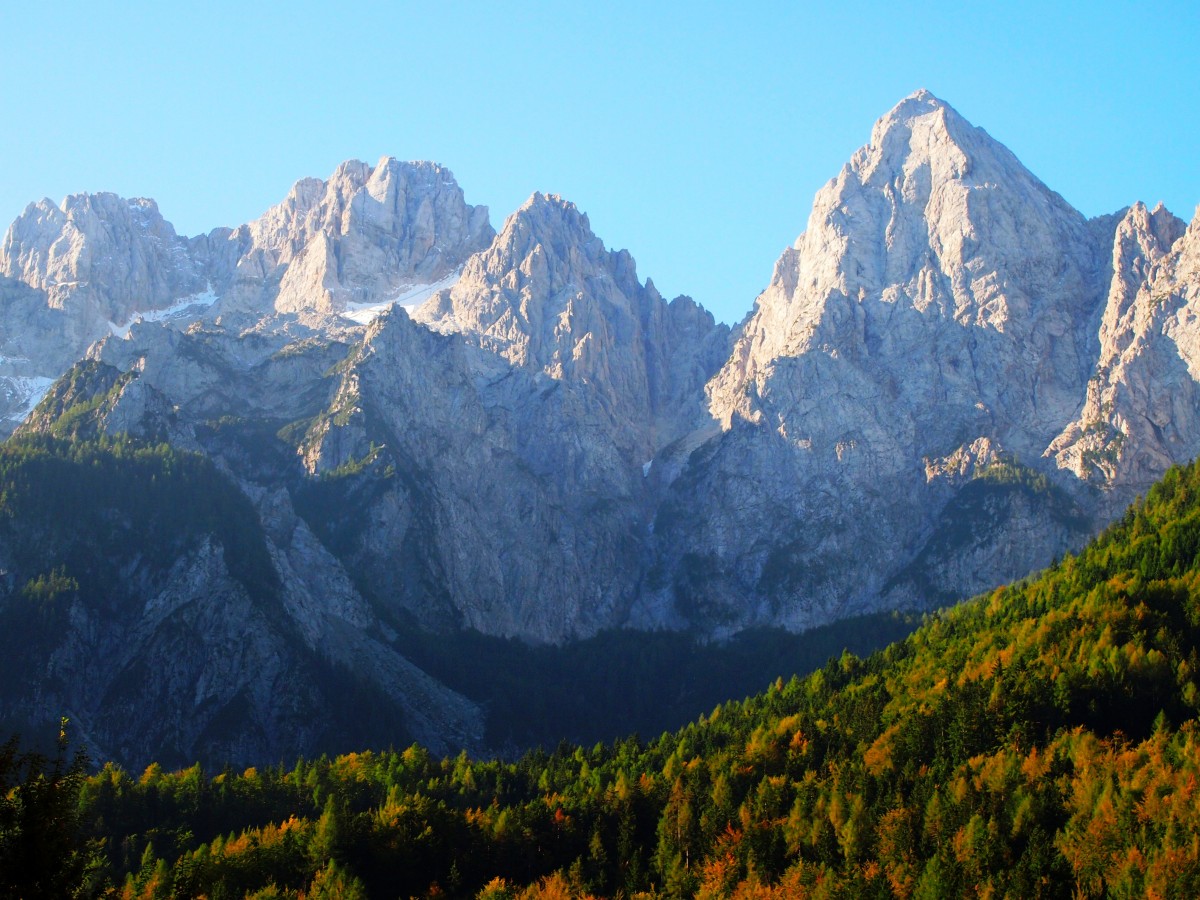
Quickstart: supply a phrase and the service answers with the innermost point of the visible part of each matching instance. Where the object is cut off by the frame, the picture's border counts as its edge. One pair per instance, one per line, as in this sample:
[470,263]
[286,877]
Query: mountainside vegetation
[94,534]
[74,515]
[92,527]
[1038,741]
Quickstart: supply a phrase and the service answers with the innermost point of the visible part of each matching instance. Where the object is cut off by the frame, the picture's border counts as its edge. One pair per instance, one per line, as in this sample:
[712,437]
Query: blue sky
[692,133]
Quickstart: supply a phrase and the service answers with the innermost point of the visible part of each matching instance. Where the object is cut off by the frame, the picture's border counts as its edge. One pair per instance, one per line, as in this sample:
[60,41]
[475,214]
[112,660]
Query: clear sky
[694,134]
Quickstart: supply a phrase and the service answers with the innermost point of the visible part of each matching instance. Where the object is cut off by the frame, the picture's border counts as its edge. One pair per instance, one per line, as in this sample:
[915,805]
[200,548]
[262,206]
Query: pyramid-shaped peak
[551,203]
[924,130]
[919,102]
[919,108]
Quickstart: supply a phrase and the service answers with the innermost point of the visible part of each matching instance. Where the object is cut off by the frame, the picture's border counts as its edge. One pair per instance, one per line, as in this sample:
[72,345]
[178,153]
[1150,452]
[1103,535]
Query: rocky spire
[116,256]
[1140,412]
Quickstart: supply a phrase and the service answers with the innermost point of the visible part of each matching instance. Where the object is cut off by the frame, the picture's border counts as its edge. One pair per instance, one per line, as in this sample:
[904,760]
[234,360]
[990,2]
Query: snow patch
[27,390]
[188,304]
[408,298]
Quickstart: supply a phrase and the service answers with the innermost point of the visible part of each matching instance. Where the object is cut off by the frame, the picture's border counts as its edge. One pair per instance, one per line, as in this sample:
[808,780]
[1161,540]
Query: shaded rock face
[188,654]
[507,521]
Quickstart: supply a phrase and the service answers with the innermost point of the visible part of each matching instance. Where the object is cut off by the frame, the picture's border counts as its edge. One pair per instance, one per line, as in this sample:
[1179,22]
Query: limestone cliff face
[507,521]
[67,273]
[943,274]
[100,252]
[1140,412]
[952,378]
[360,237]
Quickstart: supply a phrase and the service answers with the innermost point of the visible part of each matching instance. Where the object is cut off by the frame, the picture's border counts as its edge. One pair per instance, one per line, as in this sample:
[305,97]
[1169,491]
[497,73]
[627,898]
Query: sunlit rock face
[363,237]
[1140,414]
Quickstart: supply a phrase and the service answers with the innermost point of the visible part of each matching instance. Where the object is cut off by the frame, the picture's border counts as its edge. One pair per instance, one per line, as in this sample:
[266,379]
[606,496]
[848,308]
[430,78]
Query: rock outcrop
[509,477]
[1140,415]
[548,296]
[359,239]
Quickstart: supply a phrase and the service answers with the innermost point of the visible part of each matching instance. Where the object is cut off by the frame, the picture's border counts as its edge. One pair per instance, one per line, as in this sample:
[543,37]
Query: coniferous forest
[1038,741]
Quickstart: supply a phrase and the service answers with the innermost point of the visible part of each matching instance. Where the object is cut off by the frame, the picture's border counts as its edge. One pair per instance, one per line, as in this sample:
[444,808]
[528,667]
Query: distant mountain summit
[362,237]
[952,378]
[932,239]
[333,254]
[1142,397]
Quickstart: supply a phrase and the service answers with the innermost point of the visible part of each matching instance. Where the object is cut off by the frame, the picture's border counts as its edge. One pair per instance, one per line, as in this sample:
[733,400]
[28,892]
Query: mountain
[333,253]
[146,602]
[537,461]
[450,435]
[363,238]
[547,295]
[1039,741]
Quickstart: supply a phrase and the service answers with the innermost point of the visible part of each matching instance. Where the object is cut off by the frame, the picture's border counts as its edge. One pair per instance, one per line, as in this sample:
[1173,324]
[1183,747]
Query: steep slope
[362,238]
[521,500]
[465,480]
[69,274]
[952,378]
[937,317]
[1039,741]
[108,256]
[934,245]
[1140,415]
[187,615]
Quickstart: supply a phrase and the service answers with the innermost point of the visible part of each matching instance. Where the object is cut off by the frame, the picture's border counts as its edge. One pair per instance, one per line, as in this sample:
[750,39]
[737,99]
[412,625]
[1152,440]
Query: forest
[1037,741]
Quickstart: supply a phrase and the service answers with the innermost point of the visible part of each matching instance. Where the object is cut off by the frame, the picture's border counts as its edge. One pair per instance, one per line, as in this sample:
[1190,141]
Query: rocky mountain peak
[937,128]
[525,295]
[362,237]
[932,229]
[119,256]
[548,295]
[1138,415]
[550,236]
